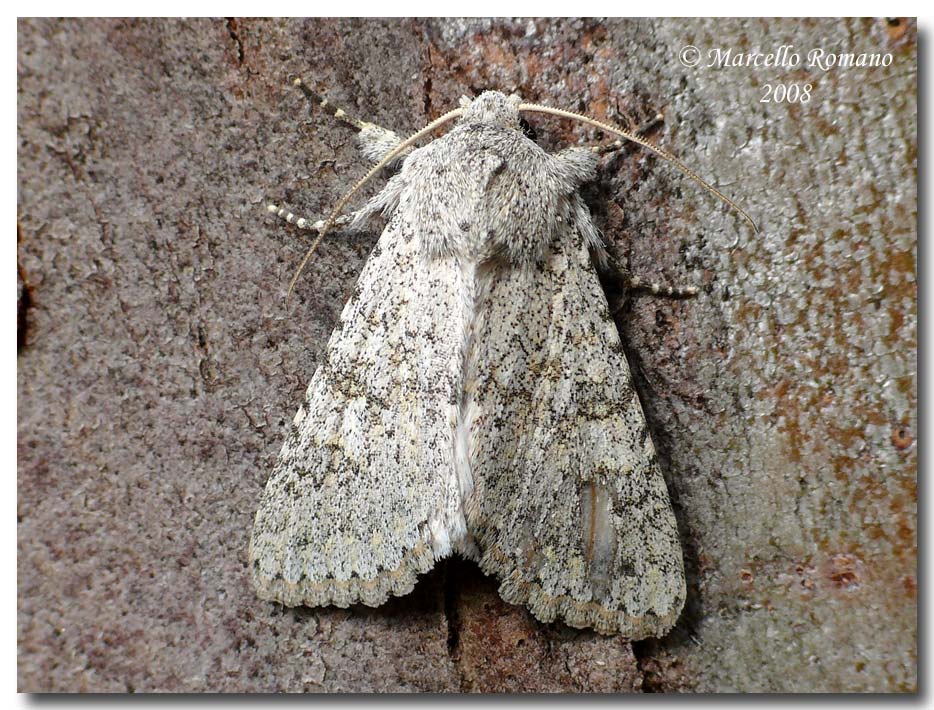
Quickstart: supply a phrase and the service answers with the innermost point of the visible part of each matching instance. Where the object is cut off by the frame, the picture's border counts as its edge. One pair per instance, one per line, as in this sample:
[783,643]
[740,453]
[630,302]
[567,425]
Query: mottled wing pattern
[568,507]
[359,502]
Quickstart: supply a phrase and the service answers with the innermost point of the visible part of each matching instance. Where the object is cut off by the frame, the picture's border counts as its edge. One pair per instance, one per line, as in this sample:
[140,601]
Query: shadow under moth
[475,397]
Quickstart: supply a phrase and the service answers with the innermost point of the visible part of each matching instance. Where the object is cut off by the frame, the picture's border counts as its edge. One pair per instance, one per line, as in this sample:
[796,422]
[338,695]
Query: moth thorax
[481,244]
[494,108]
[466,242]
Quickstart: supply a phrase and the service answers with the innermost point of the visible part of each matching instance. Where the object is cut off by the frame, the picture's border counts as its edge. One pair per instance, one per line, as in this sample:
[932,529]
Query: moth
[475,398]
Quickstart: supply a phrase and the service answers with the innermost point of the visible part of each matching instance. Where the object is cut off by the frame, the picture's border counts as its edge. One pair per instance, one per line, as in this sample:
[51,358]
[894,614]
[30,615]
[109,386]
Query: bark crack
[451,612]
[233,31]
[23,298]
[644,663]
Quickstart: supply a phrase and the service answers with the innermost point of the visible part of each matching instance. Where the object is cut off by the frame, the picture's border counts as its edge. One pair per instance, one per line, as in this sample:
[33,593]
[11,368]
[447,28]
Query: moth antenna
[677,162]
[332,217]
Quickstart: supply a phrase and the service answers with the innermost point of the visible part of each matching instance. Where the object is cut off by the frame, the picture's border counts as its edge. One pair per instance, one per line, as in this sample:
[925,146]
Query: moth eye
[527,129]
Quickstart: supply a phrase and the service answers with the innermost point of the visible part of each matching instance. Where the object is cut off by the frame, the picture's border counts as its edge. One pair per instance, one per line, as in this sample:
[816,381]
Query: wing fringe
[344,592]
[515,589]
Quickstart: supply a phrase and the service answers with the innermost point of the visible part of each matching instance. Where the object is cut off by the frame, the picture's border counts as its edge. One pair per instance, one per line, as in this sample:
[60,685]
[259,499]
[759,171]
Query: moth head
[494,108]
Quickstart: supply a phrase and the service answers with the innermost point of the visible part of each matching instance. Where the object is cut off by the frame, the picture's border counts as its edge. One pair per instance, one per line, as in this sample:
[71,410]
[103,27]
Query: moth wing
[358,504]
[568,506]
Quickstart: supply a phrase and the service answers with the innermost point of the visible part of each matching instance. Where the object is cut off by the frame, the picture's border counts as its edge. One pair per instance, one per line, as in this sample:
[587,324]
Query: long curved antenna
[332,218]
[538,108]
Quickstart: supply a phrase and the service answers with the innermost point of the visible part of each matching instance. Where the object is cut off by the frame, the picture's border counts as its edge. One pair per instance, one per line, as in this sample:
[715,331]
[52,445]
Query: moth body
[475,399]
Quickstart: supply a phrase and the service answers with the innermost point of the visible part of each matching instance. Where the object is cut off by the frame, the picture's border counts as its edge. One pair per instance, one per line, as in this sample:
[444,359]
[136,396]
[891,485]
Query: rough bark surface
[158,361]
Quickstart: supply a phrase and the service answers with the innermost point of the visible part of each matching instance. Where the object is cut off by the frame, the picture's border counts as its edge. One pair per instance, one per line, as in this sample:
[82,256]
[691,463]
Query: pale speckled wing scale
[568,507]
[355,507]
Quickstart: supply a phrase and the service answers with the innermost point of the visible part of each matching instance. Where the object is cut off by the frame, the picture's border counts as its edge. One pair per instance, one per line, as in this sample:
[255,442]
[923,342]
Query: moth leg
[374,141]
[630,283]
[633,284]
[639,130]
[305,223]
[636,284]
